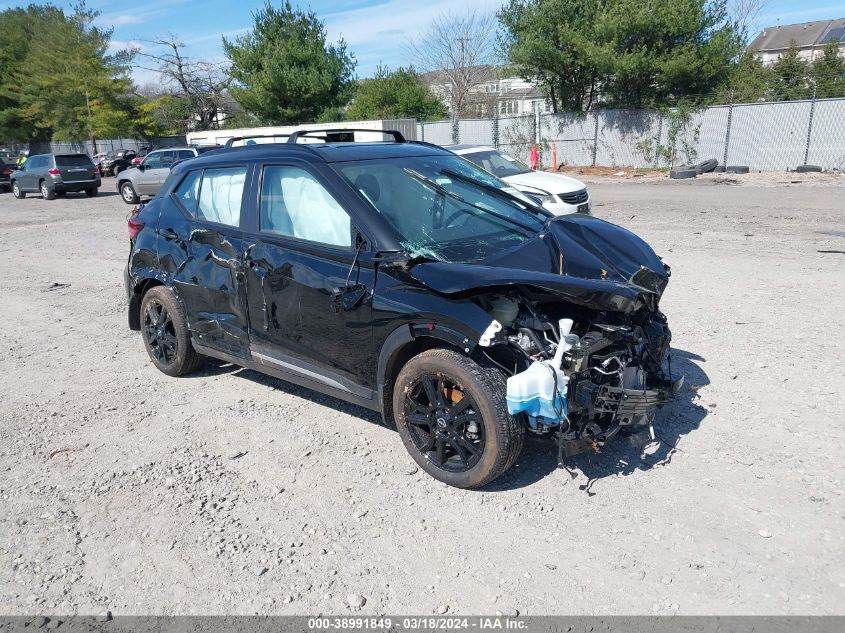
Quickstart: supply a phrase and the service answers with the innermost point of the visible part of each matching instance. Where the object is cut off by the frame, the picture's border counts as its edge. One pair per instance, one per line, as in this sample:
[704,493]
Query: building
[491,91]
[808,37]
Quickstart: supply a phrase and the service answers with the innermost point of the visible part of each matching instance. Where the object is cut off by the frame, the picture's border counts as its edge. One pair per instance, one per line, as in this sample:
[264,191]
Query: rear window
[73,160]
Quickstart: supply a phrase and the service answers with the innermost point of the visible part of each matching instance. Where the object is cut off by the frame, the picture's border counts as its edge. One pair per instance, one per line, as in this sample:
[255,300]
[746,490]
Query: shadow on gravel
[294,390]
[623,455]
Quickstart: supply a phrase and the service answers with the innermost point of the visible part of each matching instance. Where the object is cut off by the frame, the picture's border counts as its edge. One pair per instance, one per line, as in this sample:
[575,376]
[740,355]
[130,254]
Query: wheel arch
[405,342]
[138,291]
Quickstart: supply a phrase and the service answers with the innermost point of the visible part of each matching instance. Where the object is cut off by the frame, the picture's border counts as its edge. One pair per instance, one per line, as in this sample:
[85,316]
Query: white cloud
[121,20]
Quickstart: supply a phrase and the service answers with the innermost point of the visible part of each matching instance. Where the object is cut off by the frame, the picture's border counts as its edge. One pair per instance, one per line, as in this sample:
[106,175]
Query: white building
[491,90]
[808,37]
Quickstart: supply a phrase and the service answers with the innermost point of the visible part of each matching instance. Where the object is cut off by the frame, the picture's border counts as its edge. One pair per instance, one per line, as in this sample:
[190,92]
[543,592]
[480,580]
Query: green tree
[65,84]
[286,70]
[828,72]
[395,95]
[750,81]
[627,53]
[17,32]
[789,76]
[554,42]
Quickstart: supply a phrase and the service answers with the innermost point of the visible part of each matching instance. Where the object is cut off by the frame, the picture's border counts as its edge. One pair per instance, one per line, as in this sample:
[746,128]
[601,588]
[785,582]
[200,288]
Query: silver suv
[147,178]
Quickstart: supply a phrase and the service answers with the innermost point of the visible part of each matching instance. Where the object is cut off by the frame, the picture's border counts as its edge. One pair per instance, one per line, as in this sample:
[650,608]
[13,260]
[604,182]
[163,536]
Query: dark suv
[400,277]
[54,175]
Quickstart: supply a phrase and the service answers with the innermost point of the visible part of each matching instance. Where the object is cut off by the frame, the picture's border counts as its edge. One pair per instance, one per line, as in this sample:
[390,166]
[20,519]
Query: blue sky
[375,30]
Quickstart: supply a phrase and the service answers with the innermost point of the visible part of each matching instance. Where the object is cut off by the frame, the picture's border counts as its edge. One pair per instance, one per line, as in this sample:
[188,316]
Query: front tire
[166,335]
[17,191]
[128,193]
[453,420]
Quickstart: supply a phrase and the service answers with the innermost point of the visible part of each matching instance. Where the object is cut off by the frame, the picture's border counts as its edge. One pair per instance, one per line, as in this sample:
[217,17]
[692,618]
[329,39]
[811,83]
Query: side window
[153,161]
[295,204]
[168,158]
[221,192]
[184,154]
[187,193]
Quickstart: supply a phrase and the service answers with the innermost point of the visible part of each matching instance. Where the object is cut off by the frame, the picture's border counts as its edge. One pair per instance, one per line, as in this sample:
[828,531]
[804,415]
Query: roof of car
[328,152]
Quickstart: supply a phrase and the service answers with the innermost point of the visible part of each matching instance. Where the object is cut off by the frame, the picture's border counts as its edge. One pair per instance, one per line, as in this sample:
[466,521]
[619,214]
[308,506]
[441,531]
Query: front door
[149,180]
[309,281]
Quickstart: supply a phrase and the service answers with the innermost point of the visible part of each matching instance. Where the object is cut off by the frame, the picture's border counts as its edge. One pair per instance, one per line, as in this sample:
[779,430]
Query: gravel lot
[231,492]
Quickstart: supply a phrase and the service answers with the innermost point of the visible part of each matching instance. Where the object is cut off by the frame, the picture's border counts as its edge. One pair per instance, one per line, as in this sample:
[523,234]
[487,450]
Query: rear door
[29,180]
[75,168]
[201,248]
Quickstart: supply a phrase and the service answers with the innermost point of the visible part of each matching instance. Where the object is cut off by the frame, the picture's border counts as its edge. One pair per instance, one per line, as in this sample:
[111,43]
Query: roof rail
[293,138]
[243,138]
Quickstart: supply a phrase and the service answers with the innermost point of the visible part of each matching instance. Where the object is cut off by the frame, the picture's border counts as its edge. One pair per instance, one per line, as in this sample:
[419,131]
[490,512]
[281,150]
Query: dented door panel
[203,264]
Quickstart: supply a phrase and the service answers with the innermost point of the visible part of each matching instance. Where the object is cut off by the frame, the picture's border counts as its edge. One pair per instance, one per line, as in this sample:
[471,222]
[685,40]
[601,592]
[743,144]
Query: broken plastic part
[490,333]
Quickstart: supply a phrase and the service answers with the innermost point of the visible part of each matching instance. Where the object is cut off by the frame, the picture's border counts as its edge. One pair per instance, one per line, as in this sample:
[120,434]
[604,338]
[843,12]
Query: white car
[560,194]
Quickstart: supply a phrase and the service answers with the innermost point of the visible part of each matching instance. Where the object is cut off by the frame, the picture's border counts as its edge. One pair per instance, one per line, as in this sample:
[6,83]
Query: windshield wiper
[495,191]
[442,190]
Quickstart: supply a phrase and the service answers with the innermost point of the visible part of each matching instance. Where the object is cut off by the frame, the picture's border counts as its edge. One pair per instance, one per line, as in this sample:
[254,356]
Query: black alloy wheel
[160,333]
[444,423]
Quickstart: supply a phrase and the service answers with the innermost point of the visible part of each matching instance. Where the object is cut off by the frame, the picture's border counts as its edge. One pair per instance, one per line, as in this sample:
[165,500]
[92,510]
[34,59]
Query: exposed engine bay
[578,374]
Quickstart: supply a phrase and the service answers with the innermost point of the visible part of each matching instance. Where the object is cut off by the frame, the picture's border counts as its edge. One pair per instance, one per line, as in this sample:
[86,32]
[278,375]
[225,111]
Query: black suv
[398,276]
[54,175]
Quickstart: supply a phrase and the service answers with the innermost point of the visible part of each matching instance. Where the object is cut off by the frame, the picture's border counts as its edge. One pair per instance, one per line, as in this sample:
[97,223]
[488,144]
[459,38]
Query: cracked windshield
[445,208]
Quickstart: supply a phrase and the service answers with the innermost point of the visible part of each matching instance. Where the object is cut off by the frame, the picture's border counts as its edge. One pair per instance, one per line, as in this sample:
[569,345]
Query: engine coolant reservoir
[504,310]
[540,390]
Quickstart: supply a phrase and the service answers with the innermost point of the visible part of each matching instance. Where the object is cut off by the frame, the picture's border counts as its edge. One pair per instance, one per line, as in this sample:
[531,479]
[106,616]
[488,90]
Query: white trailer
[408,128]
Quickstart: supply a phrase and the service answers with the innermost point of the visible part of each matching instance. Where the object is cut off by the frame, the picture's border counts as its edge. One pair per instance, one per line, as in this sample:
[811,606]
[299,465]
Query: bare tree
[460,52]
[745,14]
[203,83]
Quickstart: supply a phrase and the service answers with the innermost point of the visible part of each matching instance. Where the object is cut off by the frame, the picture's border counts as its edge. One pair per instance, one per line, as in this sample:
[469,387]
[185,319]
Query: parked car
[559,194]
[405,279]
[5,173]
[148,176]
[115,162]
[54,175]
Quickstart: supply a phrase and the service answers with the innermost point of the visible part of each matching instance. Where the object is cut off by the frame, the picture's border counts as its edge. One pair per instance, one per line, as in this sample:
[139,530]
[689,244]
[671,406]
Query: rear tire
[128,193]
[19,193]
[166,334]
[466,445]
[46,192]
[91,192]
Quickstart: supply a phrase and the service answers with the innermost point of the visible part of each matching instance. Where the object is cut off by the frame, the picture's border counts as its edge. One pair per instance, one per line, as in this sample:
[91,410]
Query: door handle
[169,234]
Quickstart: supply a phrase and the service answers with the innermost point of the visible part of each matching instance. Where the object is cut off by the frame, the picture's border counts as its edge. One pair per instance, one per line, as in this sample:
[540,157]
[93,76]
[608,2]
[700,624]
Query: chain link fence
[770,136]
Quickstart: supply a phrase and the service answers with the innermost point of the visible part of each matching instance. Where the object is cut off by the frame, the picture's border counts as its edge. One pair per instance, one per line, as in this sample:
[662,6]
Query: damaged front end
[577,329]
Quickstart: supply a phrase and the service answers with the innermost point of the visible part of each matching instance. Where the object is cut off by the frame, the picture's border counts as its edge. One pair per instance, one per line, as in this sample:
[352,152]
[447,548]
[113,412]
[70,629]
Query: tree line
[62,78]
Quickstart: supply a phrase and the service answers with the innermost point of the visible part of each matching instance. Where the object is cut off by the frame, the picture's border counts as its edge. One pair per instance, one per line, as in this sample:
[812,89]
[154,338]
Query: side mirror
[141,167]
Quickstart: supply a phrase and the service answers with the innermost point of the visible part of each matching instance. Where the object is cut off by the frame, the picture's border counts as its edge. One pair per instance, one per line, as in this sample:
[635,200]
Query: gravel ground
[229,492]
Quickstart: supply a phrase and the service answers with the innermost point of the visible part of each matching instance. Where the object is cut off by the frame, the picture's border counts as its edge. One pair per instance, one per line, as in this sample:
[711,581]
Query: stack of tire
[683,172]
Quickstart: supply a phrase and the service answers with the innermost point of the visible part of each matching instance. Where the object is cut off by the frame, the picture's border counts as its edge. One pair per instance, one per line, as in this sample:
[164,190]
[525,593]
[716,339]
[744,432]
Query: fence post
[537,133]
[595,137]
[728,129]
[422,131]
[496,128]
[456,132]
[810,126]
[659,140]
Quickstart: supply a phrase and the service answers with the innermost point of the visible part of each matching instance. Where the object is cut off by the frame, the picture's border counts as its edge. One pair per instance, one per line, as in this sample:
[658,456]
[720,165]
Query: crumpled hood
[603,266]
